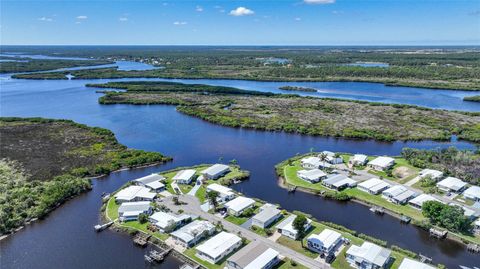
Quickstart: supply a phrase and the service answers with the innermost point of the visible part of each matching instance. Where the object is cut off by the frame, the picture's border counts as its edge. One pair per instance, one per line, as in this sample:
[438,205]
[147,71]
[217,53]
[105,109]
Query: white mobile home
[236,206]
[225,193]
[190,234]
[312,176]
[218,247]
[358,159]
[339,182]
[325,242]
[331,157]
[286,227]
[254,256]
[472,193]
[153,181]
[314,163]
[452,184]
[418,201]
[215,171]
[381,163]
[167,222]
[368,256]
[266,216]
[184,176]
[433,174]
[408,263]
[398,194]
[131,210]
[134,193]
[373,186]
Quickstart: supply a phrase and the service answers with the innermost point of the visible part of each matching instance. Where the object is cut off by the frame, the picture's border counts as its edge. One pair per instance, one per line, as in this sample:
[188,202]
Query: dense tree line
[463,164]
[447,216]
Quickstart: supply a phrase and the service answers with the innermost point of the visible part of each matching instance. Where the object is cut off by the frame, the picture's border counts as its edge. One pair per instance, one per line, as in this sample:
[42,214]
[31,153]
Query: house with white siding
[408,263]
[358,159]
[433,174]
[131,210]
[452,184]
[167,222]
[225,194]
[381,163]
[185,176]
[153,181]
[472,193]
[398,194]
[134,193]
[215,171]
[286,227]
[268,214]
[331,157]
[216,248]
[368,256]
[254,256]
[373,186]
[314,163]
[418,201]
[238,205]
[190,234]
[325,242]
[339,182]
[312,176]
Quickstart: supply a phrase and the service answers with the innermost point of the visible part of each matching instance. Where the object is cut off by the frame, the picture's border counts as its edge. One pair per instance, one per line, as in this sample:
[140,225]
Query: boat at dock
[101,227]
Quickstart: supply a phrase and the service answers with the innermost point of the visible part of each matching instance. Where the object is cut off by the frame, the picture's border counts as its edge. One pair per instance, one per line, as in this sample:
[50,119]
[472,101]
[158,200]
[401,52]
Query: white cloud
[82,17]
[180,23]
[123,19]
[241,11]
[318,2]
[298,19]
[199,9]
[47,19]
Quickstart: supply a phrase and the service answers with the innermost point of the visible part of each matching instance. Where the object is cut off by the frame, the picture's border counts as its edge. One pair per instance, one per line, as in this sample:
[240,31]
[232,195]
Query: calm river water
[66,238]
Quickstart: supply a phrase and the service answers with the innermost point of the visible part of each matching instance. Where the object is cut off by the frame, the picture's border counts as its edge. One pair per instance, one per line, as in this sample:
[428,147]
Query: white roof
[163,219]
[312,174]
[150,178]
[327,237]
[422,198]
[184,174]
[193,229]
[408,263]
[473,191]
[240,203]
[262,260]
[155,185]
[287,224]
[216,169]
[220,189]
[374,184]
[382,161]
[315,161]
[430,172]
[130,192]
[370,252]
[339,180]
[267,213]
[452,183]
[395,190]
[217,245]
[328,153]
[360,157]
[133,208]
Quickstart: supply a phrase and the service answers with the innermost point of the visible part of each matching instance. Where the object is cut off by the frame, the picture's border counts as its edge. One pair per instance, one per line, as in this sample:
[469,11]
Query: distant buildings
[153,181]
[190,234]
[167,222]
[452,184]
[216,248]
[286,227]
[238,205]
[373,186]
[381,163]
[325,242]
[215,171]
[225,193]
[134,193]
[184,176]
[339,182]
[268,214]
[472,193]
[131,210]
[254,256]
[312,176]
[368,256]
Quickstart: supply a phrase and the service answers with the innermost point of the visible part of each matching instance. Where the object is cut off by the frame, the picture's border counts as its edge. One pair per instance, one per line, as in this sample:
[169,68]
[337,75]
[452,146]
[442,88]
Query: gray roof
[216,169]
[338,180]
[134,206]
[405,195]
[247,254]
[286,222]
[267,214]
[150,178]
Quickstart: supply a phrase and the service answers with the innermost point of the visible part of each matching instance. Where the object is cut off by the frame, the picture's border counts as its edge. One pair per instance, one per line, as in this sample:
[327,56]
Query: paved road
[192,206]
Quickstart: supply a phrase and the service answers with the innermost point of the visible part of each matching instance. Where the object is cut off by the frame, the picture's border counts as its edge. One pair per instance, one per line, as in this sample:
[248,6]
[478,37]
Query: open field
[305,115]
[45,162]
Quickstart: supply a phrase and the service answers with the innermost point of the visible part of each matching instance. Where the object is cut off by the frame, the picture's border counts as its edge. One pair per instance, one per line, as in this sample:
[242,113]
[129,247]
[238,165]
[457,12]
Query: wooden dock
[405,219]
[425,259]
[378,210]
[157,255]
[141,239]
[437,233]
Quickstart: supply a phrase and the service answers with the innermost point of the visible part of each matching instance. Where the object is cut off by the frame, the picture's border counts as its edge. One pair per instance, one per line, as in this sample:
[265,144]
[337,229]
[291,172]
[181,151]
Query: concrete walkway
[195,188]
[413,181]
[193,207]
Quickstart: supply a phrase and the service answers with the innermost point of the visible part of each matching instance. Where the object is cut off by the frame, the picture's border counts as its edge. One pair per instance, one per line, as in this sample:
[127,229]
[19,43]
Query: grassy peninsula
[44,162]
[456,69]
[33,65]
[304,115]
[475,98]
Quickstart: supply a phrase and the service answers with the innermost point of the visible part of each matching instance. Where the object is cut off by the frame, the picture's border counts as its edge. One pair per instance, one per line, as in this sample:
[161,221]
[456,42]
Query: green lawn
[399,162]
[297,246]
[286,264]
[201,194]
[236,220]
[192,251]
[290,174]
[112,209]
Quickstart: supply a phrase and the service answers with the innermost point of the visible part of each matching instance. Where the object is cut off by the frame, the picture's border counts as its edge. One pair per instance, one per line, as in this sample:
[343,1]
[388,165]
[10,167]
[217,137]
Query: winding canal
[66,238]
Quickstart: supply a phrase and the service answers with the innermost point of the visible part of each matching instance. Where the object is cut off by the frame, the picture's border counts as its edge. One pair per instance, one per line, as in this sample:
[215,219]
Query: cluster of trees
[447,216]
[22,199]
[32,65]
[464,164]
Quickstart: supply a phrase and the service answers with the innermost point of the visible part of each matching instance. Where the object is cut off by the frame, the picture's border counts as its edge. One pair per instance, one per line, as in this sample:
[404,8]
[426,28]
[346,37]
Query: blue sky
[259,22]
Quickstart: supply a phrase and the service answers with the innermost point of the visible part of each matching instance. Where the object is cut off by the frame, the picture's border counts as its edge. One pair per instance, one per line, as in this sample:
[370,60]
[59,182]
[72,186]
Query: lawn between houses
[110,209]
[288,172]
